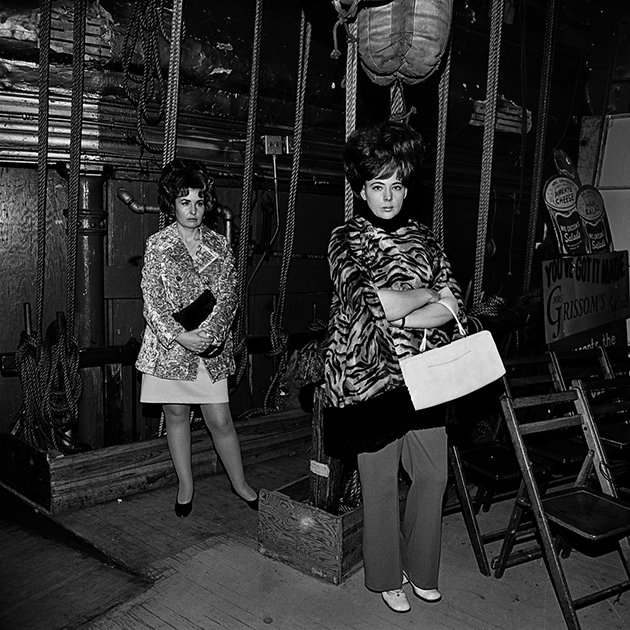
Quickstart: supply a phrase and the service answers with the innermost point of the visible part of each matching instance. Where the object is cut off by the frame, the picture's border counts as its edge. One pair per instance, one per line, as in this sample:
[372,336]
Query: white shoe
[431,596]
[396,600]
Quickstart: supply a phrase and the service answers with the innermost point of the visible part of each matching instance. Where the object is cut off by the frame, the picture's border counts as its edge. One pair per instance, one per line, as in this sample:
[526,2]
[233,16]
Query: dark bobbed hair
[381,150]
[180,176]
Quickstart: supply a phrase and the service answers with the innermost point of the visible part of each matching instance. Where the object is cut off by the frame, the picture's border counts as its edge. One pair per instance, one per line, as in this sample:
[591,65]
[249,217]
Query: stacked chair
[492,465]
[562,416]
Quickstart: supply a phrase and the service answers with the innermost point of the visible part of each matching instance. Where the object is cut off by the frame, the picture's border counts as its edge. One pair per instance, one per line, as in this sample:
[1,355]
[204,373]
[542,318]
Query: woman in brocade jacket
[182,261]
[390,280]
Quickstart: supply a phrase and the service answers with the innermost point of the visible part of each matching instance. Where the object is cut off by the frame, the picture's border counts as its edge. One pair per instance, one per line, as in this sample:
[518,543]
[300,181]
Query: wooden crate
[54,483]
[309,539]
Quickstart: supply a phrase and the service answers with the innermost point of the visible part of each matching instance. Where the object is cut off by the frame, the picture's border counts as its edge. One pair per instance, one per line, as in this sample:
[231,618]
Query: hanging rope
[440,155]
[496,25]
[172,95]
[246,202]
[279,337]
[524,121]
[352,55]
[347,18]
[42,154]
[541,133]
[169,148]
[397,104]
[396,100]
[76,129]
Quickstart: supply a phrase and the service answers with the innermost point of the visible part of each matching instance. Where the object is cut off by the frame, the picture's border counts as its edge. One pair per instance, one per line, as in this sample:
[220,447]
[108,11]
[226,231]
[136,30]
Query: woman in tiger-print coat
[389,275]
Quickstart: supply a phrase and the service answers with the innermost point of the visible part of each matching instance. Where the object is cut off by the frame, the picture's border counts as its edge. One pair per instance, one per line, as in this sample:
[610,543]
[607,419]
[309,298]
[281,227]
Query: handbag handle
[462,332]
[423,345]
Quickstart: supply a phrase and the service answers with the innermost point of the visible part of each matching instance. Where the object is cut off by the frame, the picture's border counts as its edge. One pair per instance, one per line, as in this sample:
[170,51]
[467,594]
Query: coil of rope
[51,388]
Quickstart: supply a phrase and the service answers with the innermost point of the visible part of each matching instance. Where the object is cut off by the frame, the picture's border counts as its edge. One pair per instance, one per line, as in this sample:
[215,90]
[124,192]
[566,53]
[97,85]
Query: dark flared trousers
[388,548]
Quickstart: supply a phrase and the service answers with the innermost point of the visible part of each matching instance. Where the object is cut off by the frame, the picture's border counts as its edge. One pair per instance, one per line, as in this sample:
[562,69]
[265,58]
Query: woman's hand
[194,340]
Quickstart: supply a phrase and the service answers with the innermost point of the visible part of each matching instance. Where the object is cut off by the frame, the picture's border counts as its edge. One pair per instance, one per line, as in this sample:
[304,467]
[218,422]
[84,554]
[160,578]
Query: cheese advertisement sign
[584,292]
[578,217]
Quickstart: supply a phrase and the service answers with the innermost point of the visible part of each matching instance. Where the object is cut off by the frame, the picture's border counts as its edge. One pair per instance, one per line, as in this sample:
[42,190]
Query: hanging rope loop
[146,25]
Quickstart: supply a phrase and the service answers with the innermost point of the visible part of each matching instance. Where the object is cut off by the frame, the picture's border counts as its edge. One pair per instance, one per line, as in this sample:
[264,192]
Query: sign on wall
[578,216]
[581,293]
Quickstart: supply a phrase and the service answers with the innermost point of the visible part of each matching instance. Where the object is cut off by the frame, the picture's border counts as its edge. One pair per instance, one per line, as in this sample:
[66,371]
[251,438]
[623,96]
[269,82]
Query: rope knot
[343,16]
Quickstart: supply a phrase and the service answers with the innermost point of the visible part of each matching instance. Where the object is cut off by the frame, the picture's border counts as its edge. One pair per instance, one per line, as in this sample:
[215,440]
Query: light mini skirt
[201,391]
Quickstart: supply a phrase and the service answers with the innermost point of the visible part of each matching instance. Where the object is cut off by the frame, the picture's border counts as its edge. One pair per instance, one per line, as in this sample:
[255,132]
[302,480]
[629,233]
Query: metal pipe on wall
[140,208]
[89,315]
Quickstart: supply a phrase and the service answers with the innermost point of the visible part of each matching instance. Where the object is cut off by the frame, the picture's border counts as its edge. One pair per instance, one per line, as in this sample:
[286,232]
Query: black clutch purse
[196,312]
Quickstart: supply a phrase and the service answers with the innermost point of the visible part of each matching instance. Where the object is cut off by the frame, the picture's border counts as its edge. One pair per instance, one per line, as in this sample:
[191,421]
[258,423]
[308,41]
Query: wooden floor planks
[49,584]
[207,574]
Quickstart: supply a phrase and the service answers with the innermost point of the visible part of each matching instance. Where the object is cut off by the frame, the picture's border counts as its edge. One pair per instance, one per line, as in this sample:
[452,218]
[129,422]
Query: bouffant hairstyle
[380,151]
[180,176]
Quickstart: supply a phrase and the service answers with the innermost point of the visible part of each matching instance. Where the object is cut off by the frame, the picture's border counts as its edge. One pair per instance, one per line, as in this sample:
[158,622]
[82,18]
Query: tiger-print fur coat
[363,349]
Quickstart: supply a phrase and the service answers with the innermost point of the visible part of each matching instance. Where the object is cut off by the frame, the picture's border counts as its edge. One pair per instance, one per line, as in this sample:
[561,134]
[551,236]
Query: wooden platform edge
[56,483]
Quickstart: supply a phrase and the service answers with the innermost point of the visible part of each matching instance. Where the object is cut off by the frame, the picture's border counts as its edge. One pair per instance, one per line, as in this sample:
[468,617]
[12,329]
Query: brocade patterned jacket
[363,349]
[171,280]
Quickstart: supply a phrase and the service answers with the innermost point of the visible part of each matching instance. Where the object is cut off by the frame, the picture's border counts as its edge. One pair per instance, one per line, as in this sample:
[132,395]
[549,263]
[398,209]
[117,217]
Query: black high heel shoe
[252,504]
[183,509]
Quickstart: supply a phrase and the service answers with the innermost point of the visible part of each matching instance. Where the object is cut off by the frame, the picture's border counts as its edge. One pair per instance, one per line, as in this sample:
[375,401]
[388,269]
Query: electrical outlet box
[273,145]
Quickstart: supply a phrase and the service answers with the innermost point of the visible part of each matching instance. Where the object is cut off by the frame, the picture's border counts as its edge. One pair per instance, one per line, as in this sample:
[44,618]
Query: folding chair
[619,359]
[586,364]
[579,511]
[567,451]
[492,465]
[609,407]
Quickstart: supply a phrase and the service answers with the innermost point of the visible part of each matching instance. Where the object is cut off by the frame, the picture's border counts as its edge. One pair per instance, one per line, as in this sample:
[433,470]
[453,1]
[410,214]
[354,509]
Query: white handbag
[448,372]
